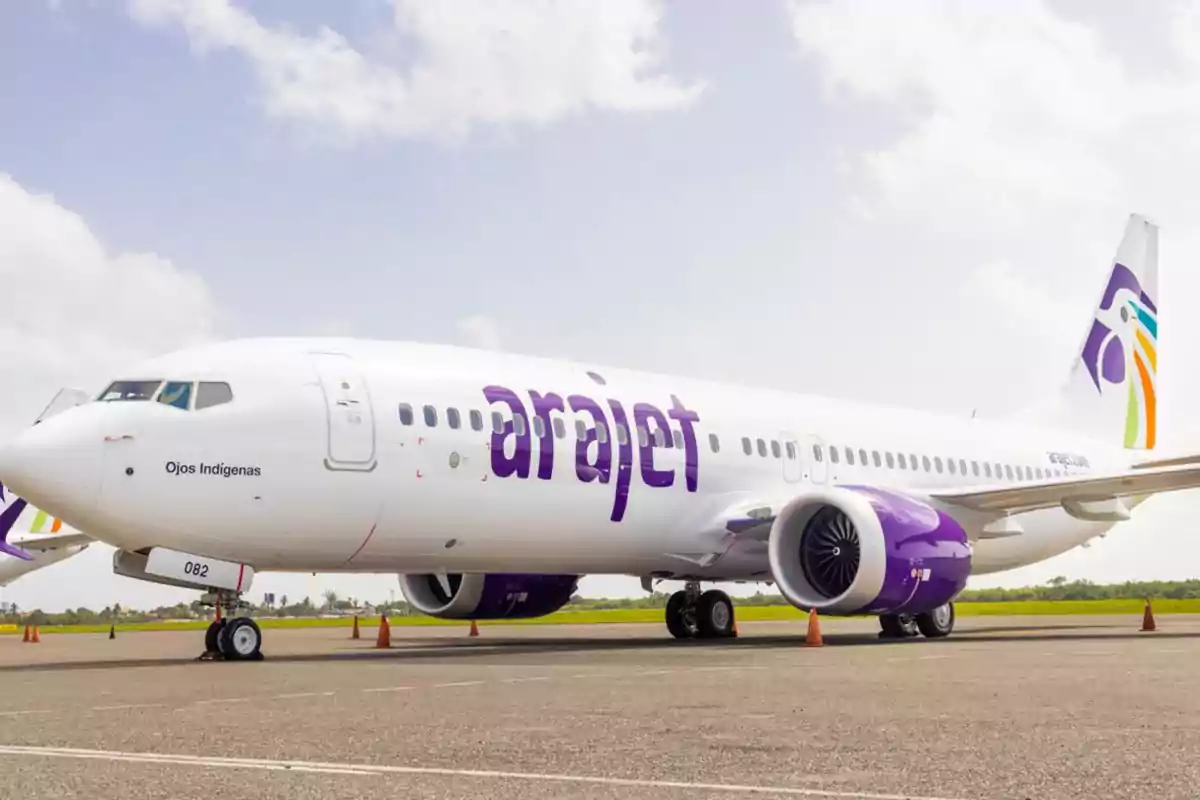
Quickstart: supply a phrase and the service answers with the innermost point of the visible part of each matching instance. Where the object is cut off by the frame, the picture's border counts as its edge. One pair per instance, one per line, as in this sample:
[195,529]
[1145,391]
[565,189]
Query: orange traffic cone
[218,616]
[1148,618]
[27,635]
[735,630]
[474,628]
[354,634]
[813,637]
[36,638]
[385,632]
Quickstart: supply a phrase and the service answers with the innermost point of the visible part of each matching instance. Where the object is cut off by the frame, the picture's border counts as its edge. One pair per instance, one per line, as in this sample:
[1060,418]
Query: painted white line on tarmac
[456,683]
[301,694]
[389,689]
[382,770]
[218,700]
[127,706]
[527,680]
[24,713]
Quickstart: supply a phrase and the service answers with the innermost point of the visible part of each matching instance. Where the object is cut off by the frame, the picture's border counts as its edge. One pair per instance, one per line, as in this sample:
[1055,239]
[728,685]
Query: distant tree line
[1055,589]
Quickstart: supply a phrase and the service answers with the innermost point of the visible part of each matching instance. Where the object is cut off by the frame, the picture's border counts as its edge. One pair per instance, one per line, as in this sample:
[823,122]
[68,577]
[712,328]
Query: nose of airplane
[54,465]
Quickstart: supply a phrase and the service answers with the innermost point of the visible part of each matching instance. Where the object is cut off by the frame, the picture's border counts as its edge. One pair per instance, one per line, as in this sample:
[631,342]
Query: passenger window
[497,422]
[714,443]
[937,463]
[891,460]
[746,445]
[975,468]
[791,451]
[539,427]
[601,432]
[177,394]
[1020,473]
[875,458]
[775,451]
[962,466]
[622,434]
[406,414]
[677,435]
[1008,471]
[476,420]
[1040,474]
[129,390]
[431,416]
[519,424]
[580,430]
[987,469]
[950,464]
[212,393]
[560,428]
[762,448]
[833,455]
[641,436]
[925,464]
[912,459]
[660,438]
[900,460]
[818,454]
[452,418]
[849,456]
[862,456]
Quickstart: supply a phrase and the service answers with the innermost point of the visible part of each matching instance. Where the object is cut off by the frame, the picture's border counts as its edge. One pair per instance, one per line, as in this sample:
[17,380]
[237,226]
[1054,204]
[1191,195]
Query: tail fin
[1112,389]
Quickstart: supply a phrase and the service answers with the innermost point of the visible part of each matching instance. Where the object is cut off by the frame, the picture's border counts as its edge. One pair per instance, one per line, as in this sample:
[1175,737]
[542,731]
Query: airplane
[46,541]
[491,482]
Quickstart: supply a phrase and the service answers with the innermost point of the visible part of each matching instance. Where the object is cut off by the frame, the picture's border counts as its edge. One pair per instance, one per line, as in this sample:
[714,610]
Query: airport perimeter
[1007,707]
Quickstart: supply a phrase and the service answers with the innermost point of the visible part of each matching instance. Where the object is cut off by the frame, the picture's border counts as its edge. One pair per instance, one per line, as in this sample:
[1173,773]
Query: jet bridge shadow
[474,651]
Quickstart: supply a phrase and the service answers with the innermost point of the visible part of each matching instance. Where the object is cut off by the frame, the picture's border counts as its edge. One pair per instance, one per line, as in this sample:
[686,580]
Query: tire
[897,626]
[677,622]
[212,636]
[714,615]
[937,623]
[241,640]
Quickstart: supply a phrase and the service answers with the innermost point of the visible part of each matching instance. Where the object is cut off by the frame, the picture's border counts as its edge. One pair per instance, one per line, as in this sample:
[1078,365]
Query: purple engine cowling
[862,550]
[487,596]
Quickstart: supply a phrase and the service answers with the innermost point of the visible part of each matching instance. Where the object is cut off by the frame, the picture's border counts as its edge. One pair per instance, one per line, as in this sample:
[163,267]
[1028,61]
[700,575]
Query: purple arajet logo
[599,469]
[1111,364]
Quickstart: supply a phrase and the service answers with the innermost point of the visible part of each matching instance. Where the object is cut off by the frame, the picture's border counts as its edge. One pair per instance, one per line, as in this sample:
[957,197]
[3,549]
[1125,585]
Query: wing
[1074,491]
[47,543]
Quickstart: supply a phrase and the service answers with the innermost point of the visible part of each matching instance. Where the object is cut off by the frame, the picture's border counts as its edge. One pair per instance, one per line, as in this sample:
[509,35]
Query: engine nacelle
[858,549]
[487,596]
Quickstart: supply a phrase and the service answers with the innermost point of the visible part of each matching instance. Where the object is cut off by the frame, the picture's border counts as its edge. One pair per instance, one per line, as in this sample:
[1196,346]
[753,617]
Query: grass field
[744,614]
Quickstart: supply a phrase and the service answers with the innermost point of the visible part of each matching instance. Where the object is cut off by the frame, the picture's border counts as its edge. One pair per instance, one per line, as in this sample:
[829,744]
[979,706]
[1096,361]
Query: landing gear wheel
[681,620]
[897,626]
[212,638]
[241,640]
[937,623]
[714,616]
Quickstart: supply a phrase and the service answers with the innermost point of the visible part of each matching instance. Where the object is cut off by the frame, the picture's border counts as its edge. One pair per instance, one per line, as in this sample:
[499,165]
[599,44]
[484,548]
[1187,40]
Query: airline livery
[491,482]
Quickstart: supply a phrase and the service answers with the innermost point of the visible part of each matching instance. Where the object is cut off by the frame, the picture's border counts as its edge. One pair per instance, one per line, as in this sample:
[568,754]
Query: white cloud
[496,63]
[74,312]
[480,331]
[1015,140]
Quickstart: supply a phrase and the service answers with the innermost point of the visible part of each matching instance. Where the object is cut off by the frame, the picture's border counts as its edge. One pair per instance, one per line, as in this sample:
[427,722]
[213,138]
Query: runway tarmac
[1029,707]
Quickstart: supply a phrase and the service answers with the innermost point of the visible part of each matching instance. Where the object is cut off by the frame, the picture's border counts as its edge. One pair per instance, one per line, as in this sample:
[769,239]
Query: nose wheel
[691,614]
[236,639]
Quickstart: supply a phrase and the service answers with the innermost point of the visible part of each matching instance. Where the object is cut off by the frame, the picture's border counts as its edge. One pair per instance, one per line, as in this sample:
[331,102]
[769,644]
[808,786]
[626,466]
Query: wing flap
[1138,482]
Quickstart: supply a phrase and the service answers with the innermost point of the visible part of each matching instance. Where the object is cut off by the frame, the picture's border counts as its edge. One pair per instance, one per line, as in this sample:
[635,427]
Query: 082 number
[195,569]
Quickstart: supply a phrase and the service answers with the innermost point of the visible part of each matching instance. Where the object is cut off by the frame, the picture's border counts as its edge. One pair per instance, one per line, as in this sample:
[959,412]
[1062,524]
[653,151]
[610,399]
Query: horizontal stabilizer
[1073,490]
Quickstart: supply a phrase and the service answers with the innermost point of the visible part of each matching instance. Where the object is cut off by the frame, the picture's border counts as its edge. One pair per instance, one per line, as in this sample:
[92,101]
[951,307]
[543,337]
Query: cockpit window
[176,394]
[122,391]
[210,393]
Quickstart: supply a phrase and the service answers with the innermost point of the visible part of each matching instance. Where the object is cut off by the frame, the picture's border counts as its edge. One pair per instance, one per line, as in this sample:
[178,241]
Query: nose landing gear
[236,639]
[692,615]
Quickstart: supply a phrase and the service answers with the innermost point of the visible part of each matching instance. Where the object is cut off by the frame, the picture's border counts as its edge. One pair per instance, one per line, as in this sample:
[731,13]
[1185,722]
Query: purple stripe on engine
[918,539]
[522,596]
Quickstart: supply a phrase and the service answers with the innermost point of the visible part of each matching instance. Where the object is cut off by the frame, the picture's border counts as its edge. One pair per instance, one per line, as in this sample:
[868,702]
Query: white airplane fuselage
[310,467]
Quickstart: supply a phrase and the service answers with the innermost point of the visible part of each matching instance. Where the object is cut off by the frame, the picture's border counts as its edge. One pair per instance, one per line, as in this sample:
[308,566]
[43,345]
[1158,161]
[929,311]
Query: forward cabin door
[349,414]
[793,463]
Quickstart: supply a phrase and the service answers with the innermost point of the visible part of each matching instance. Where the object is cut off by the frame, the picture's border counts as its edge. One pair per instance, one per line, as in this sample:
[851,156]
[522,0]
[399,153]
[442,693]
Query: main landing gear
[933,624]
[695,615]
[231,639]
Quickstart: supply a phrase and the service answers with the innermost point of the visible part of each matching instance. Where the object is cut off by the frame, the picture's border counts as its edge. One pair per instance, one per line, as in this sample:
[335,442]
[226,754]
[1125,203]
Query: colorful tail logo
[1124,338]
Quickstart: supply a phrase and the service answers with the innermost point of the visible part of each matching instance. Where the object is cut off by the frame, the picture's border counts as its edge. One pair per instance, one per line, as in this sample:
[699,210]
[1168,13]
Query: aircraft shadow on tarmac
[467,651]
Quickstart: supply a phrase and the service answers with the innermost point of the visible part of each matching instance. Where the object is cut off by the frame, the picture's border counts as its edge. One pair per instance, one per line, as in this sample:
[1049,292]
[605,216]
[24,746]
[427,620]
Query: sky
[912,204]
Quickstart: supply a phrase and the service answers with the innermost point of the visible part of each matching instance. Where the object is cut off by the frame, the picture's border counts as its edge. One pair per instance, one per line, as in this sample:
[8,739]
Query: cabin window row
[431,416]
[851,457]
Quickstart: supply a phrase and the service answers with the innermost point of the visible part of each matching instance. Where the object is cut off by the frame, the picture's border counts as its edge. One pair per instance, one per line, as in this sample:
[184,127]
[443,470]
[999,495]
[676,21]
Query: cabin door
[348,412]
[816,459]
